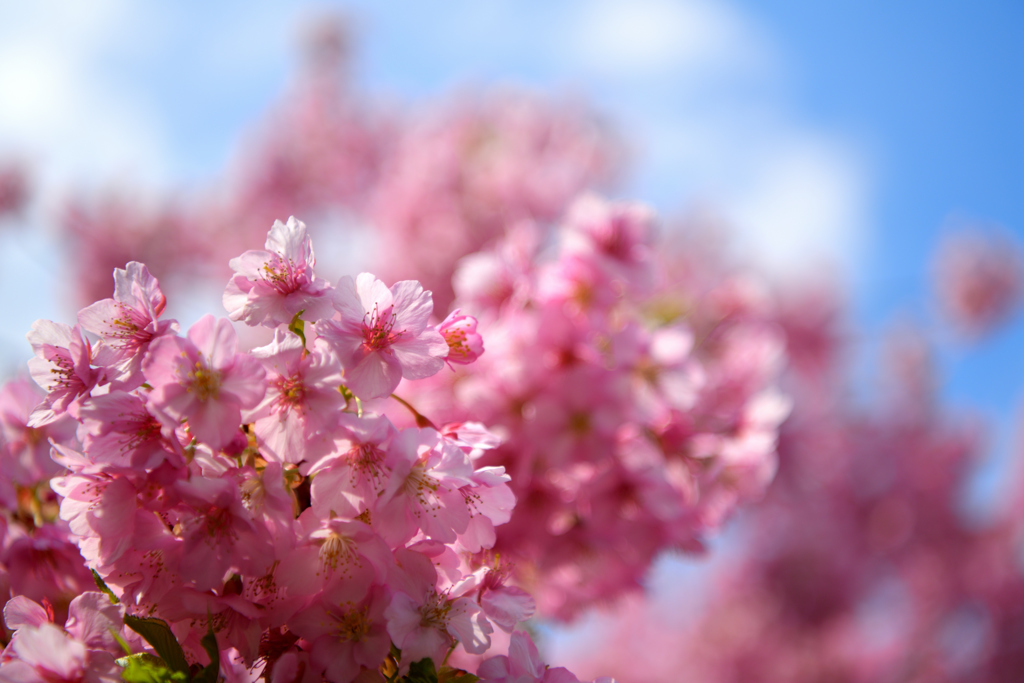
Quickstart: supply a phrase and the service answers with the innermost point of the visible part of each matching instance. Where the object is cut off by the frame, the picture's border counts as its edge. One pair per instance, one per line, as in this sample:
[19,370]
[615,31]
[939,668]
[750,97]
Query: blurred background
[845,140]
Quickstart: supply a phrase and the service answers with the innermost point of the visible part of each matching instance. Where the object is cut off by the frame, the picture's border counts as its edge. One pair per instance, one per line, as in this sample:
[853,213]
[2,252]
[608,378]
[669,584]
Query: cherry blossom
[274,286]
[383,334]
[203,380]
[128,322]
[464,343]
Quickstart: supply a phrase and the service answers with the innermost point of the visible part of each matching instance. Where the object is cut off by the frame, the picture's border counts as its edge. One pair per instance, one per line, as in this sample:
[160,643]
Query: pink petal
[373,293]
[421,356]
[376,376]
[215,423]
[507,606]
[412,306]
[21,611]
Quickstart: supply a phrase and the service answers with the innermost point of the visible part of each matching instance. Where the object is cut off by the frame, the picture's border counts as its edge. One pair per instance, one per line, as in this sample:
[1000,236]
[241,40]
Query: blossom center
[254,493]
[146,429]
[63,369]
[353,624]
[368,460]
[283,275]
[204,382]
[378,329]
[434,612]
[421,485]
[457,346]
[217,523]
[291,392]
[336,549]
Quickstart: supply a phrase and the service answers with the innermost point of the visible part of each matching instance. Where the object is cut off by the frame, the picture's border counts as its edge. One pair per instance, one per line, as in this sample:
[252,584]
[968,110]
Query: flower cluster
[260,499]
[630,430]
[859,564]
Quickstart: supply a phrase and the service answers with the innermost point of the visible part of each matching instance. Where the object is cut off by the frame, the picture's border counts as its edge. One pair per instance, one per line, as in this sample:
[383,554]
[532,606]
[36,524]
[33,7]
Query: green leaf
[212,671]
[101,584]
[145,668]
[298,326]
[158,634]
[451,675]
[421,672]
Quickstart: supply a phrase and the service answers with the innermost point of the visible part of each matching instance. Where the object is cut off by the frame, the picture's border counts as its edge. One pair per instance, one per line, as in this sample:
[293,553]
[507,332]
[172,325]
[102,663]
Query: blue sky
[843,133]
[936,91]
[846,133]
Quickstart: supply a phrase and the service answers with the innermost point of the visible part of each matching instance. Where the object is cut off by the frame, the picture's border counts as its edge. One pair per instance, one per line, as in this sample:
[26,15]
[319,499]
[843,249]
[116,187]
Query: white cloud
[805,207]
[60,108]
[704,93]
[643,37]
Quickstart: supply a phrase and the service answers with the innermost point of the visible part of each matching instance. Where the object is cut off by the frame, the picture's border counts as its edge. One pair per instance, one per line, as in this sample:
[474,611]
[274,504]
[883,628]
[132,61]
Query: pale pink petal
[346,300]
[412,305]
[21,611]
[372,294]
[215,423]
[376,376]
[508,606]
[422,356]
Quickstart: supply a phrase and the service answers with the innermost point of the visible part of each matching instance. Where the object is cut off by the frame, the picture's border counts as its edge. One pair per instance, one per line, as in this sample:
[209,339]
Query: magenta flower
[128,322]
[383,334]
[270,287]
[203,380]
[220,534]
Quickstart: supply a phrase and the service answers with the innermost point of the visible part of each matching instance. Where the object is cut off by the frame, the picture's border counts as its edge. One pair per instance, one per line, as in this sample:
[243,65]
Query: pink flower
[62,367]
[25,451]
[424,493]
[221,535]
[348,482]
[504,605]
[41,651]
[331,551]
[615,234]
[383,334]
[271,286]
[14,190]
[203,379]
[346,629]
[128,322]
[100,511]
[425,620]
[119,431]
[524,665]
[979,280]
[41,564]
[302,401]
[464,343]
